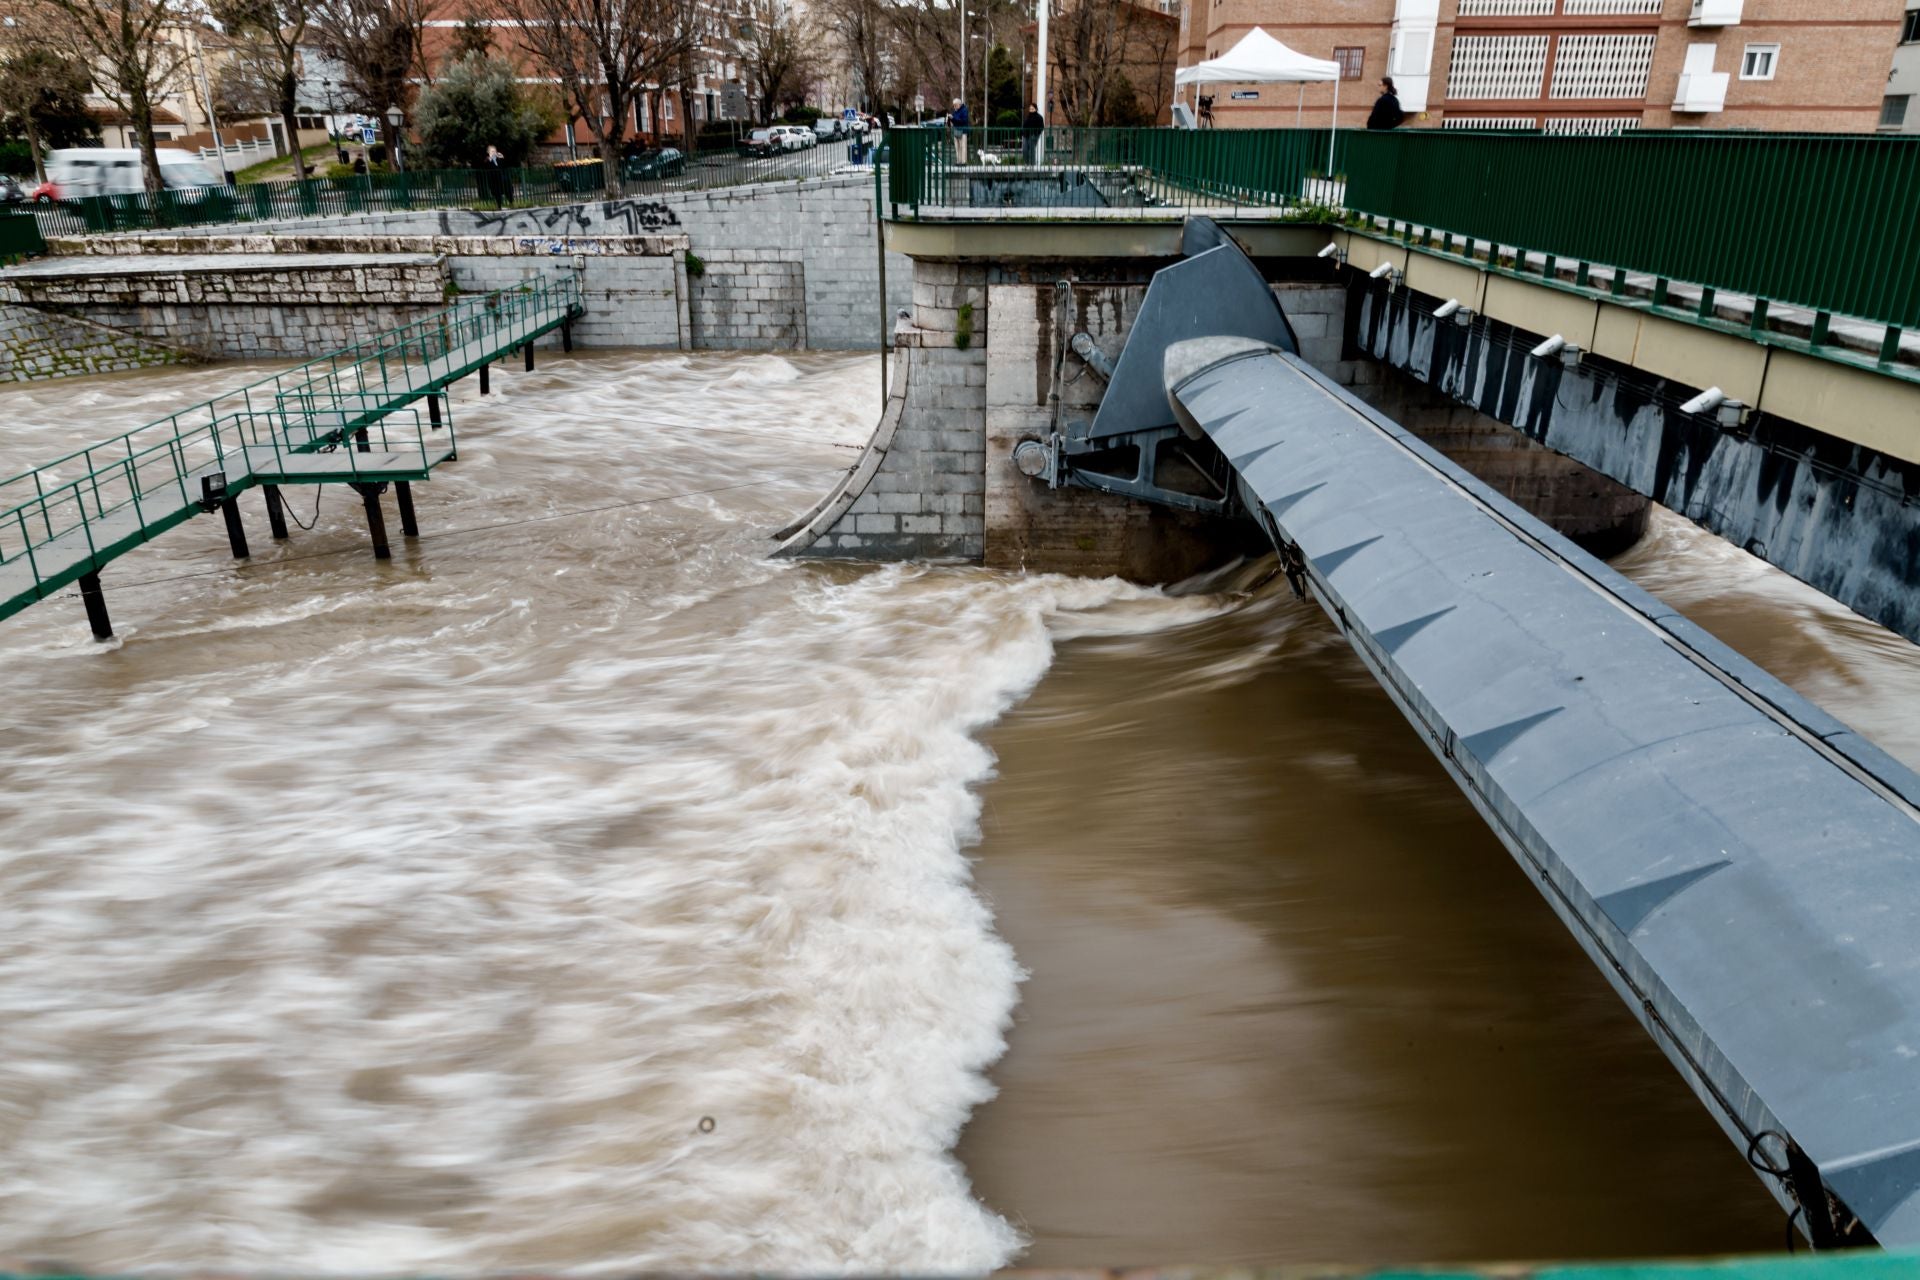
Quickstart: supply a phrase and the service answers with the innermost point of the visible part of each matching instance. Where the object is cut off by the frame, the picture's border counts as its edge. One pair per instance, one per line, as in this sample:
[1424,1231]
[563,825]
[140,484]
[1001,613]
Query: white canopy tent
[1260,59]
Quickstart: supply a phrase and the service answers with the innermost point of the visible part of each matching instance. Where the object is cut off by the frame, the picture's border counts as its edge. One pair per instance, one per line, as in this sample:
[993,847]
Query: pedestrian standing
[1386,113]
[958,122]
[1206,111]
[1031,128]
[497,176]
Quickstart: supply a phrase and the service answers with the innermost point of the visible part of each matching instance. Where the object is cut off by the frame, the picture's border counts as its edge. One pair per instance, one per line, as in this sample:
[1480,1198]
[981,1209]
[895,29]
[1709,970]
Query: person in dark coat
[958,122]
[1031,127]
[1386,113]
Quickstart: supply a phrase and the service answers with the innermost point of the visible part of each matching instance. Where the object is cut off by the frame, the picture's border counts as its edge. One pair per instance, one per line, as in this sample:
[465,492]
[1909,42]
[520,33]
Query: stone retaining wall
[810,246]
[38,344]
[231,297]
[403,282]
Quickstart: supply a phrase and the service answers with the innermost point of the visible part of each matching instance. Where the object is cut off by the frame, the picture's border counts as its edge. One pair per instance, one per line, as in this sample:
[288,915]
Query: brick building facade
[1570,65]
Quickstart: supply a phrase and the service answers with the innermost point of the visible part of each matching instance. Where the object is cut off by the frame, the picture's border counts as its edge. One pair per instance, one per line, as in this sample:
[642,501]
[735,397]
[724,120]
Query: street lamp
[333,121]
[394,118]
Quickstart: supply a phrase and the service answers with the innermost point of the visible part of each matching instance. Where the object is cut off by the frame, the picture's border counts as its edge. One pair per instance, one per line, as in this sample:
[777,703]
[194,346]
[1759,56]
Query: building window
[1497,67]
[1910,34]
[1602,66]
[1351,59]
[1758,62]
[1893,110]
[161,135]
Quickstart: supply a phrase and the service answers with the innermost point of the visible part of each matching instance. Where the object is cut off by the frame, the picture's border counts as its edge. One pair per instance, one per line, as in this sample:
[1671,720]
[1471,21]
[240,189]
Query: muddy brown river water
[583,891]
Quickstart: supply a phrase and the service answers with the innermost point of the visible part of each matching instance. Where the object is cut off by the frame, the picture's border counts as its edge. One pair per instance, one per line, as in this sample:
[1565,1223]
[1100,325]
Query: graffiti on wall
[608,218]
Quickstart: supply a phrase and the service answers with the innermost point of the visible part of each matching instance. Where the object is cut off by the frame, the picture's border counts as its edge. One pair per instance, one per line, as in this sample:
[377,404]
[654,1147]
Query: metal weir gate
[351,418]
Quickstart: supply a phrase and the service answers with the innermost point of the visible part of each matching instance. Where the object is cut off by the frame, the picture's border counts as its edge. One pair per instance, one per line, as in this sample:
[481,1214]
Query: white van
[115,171]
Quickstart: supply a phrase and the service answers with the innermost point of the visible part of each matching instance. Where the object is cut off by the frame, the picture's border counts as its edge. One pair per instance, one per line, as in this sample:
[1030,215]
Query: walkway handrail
[296,411]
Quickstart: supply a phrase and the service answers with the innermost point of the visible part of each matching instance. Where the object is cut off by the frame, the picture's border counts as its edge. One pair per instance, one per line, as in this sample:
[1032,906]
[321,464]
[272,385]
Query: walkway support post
[485,385]
[528,348]
[96,604]
[433,412]
[360,441]
[403,498]
[566,335]
[880,244]
[276,515]
[236,532]
[376,519]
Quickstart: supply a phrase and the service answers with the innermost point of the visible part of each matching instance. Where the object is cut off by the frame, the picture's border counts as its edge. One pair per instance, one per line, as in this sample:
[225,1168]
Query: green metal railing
[1824,222]
[19,237]
[69,516]
[1146,169]
[429,189]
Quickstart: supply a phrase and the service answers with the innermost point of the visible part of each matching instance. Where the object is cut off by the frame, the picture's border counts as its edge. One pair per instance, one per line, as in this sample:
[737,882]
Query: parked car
[11,192]
[76,172]
[827,128]
[794,137]
[761,142]
[659,162]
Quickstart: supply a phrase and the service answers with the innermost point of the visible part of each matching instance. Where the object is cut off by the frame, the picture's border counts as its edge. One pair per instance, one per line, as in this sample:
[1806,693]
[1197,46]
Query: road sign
[367,135]
[919,102]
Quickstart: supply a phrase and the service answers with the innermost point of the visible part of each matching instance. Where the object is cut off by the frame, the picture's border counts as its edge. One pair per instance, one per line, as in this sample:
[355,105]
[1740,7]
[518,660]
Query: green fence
[1826,222]
[19,237]
[430,189]
[1068,168]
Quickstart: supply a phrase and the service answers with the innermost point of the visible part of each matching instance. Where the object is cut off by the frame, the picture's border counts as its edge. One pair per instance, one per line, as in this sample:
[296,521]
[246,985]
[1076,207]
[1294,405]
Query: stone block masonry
[37,344]
[918,492]
[307,295]
[820,232]
[745,300]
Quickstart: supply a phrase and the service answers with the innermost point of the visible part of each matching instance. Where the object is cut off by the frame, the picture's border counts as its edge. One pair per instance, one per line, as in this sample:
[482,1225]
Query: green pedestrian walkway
[351,417]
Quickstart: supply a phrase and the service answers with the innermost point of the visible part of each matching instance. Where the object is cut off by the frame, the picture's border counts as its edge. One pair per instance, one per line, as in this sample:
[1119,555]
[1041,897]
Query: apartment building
[1572,66]
[716,91]
[1899,110]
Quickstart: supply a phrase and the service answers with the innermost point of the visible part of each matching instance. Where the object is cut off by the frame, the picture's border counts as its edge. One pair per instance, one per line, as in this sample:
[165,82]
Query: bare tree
[863,31]
[267,35]
[378,44]
[604,52]
[779,51]
[126,43]
[1096,44]
[696,26]
[927,36]
[42,94]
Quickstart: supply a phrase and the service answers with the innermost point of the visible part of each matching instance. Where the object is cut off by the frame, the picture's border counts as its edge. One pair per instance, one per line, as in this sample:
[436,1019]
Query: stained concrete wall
[1838,516]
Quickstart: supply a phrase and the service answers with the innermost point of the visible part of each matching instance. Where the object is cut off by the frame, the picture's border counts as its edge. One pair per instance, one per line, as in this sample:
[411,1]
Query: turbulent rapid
[582,890]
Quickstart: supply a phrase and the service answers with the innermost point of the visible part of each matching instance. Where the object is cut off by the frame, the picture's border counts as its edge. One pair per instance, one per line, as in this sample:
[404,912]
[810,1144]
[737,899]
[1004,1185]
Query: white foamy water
[580,890]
